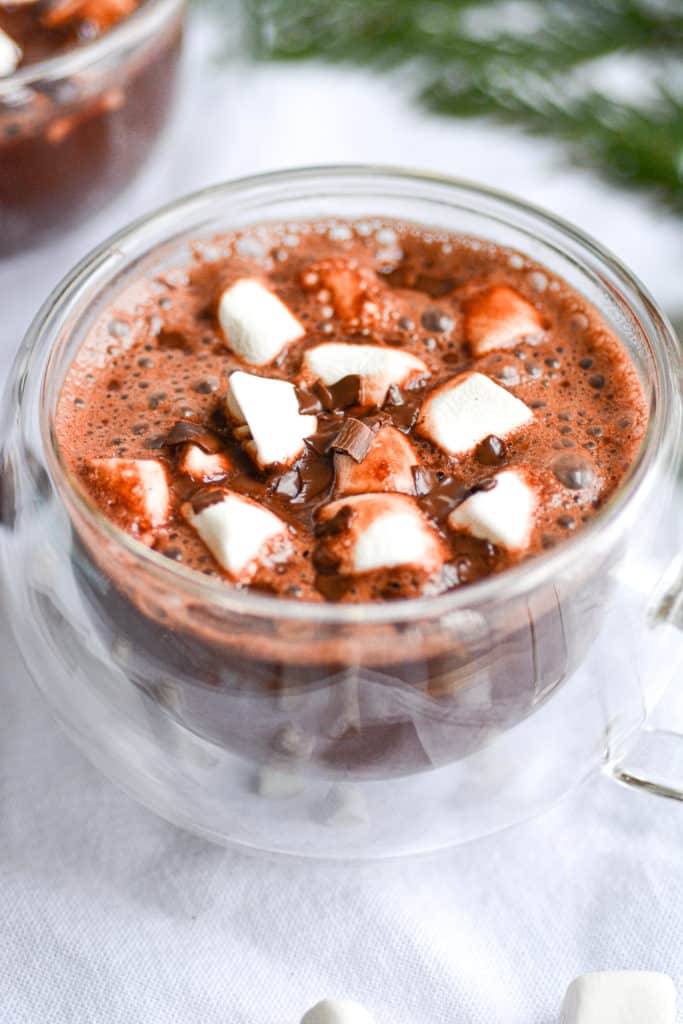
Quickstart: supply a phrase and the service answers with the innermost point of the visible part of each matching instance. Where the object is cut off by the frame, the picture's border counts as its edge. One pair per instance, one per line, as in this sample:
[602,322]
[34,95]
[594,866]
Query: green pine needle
[524,63]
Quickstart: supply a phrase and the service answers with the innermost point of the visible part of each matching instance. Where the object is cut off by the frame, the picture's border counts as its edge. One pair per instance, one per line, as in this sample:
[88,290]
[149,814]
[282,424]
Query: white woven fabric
[110,916]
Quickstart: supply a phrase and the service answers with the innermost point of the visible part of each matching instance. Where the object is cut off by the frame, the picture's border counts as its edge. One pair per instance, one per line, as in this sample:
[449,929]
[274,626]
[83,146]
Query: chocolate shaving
[186,432]
[446,495]
[205,497]
[341,395]
[308,402]
[354,439]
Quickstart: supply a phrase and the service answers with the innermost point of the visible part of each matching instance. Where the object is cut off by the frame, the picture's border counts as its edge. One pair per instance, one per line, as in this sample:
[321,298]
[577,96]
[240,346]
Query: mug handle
[655,762]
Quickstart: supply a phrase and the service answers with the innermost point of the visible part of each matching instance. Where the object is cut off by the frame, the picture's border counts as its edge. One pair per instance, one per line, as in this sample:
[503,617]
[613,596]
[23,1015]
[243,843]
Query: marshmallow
[240,534]
[383,531]
[135,490]
[377,366]
[269,409]
[388,466]
[203,466]
[505,515]
[465,410]
[10,55]
[620,997]
[345,806]
[499,318]
[337,1011]
[256,324]
[274,784]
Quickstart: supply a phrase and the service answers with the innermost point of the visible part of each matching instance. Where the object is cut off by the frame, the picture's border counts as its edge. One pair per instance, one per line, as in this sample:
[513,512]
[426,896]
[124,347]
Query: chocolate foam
[132,393]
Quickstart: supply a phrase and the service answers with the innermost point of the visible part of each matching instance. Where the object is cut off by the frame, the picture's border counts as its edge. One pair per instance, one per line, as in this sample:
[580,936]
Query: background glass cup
[75,128]
[355,731]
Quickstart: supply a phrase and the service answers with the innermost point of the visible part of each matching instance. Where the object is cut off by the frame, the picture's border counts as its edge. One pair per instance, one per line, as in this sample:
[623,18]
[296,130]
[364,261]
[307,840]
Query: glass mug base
[444,719]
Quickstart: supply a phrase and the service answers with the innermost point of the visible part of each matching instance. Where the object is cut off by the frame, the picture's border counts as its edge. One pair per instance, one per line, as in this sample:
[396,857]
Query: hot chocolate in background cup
[343,730]
[76,127]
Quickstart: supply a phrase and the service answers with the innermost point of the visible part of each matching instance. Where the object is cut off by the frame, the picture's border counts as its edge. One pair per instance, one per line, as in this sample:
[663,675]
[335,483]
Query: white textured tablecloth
[110,916]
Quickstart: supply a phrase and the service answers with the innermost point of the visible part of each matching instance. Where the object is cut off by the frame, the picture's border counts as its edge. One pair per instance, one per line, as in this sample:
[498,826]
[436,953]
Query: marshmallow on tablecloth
[377,366]
[382,531]
[504,515]
[267,412]
[240,534]
[337,1011]
[203,466]
[499,318]
[255,322]
[388,466]
[620,997]
[468,408]
[135,490]
[10,55]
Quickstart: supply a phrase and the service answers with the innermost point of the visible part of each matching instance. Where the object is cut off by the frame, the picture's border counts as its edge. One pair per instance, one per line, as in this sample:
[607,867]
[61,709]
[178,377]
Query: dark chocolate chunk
[425,479]
[184,432]
[308,402]
[491,451]
[205,497]
[354,439]
[443,498]
[394,397]
[404,416]
[341,395]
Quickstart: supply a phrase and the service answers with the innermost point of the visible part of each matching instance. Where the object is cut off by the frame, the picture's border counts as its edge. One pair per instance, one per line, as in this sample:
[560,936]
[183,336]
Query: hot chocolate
[351,411]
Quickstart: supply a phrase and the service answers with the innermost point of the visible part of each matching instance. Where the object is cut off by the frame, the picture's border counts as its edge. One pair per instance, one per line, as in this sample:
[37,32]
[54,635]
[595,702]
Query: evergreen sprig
[528,63]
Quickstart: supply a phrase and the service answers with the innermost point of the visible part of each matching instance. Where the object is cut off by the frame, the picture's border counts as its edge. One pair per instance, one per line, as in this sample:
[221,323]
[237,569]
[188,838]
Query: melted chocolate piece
[491,451]
[205,497]
[341,395]
[445,495]
[308,402]
[186,432]
[336,524]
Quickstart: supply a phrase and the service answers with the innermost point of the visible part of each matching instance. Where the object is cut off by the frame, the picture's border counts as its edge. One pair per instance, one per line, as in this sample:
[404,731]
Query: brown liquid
[65,151]
[44,29]
[166,360]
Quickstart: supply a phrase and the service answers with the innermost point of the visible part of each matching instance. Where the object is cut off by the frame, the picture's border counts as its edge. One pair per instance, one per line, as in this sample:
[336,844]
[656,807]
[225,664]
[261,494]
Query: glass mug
[76,127]
[346,731]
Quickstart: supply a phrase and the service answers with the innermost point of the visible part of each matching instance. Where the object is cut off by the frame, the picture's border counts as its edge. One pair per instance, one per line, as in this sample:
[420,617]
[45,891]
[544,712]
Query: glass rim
[126,33]
[514,581]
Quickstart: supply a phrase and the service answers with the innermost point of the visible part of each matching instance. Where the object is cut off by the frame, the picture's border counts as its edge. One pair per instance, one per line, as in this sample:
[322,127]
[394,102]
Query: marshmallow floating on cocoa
[337,1011]
[378,367]
[387,466]
[369,532]
[203,466]
[499,318]
[135,490]
[10,55]
[269,424]
[256,323]
[240,534]
[503,514]
[467,409]
[620,997]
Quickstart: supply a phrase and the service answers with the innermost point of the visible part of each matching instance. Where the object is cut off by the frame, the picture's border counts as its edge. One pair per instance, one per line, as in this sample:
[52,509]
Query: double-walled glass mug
[336,730]
[74,128]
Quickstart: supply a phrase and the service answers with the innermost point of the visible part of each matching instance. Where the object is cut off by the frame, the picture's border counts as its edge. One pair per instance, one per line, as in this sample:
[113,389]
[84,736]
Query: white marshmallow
[201,465]
[465,410]
[505,515]
[136,487]
[385,530]
[256,324]
[275,784]
[345,806]
[337,1011]
[377,366]
[240,534]
[388,466]
[620,997]
[10,55]
[270,409]
[499,318]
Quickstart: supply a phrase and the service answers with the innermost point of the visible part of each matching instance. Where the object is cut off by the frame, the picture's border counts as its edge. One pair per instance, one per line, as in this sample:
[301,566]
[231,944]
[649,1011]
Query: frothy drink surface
[493,417]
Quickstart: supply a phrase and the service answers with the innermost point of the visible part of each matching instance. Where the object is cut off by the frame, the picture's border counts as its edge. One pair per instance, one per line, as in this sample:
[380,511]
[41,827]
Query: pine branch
[472,58]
